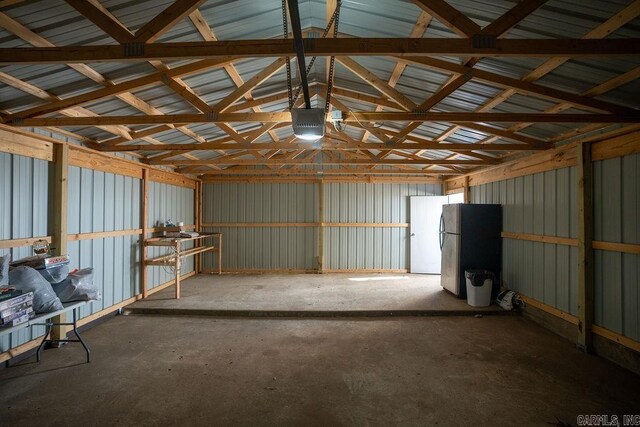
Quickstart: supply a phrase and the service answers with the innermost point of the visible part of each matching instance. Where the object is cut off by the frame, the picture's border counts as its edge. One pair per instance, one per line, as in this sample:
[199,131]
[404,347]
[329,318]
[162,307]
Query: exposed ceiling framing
[452,86]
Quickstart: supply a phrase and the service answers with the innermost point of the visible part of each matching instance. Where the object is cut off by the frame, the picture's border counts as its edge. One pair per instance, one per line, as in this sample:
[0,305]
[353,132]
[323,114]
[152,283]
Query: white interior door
[425,219]
[455,198]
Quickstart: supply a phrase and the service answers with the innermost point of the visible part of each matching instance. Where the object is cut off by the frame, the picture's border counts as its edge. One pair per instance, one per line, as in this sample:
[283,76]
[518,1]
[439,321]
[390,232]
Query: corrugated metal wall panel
[542,204]
[100,201]
[617,275]
[24,186]
[168,202]
[263,248]
[275,248]
[296,247]
[359,248]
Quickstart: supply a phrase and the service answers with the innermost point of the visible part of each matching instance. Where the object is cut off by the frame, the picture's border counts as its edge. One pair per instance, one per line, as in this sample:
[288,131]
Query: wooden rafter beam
[519,85]
[324,47]
[225,140]
[152,30]
[5,3]
[625,15]
[37,40]
[99,15]
[432,101]
[94,12]
[353,170]
[610,25]
[340,146]
[496,29]
[449,16]
[207,34]
[513,16]
[363,97]
[249,85]
[258,162]
[261,101]
[124,87]
[279,117]
[418,30]
[376,82]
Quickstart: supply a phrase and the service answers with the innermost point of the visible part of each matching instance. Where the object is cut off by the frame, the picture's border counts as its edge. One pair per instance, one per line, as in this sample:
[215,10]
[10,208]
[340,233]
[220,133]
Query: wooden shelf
[170,259]
[175,259]
[171,241]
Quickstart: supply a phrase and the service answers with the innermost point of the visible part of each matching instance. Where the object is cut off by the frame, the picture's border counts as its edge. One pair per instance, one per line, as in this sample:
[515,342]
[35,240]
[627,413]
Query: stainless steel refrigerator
[469,240]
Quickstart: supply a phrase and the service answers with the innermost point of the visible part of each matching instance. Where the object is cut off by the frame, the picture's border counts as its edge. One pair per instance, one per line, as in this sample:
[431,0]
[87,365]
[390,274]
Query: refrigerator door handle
[441,236]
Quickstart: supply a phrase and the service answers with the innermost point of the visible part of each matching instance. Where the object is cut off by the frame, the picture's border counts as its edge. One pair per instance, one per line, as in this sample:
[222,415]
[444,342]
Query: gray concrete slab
[311,292]
[161,370]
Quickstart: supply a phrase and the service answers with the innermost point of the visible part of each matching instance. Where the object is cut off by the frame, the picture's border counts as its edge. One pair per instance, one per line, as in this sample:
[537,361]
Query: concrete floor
[159,370]
[308,293]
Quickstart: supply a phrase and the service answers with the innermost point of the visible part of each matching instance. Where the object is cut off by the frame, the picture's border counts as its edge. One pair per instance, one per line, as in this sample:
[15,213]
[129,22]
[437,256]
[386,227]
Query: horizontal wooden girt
[353,170]
[283,161]
[285,116]
[465,47]
[326,146]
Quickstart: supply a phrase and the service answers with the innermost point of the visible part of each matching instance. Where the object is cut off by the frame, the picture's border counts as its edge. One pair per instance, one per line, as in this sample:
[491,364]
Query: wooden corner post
[59,214]
[320,225]
[197,207]
[467,190]
[144,197]
[585,248]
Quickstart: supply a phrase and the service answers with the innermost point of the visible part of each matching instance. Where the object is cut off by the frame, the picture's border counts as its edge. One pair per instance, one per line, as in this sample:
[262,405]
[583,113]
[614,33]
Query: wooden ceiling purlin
[259,162]
[352,170]
[339,47]
[221,143]
[534,143]
[350,117]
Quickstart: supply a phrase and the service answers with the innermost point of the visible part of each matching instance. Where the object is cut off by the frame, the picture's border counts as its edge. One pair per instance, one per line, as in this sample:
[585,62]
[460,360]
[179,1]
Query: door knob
[413,234]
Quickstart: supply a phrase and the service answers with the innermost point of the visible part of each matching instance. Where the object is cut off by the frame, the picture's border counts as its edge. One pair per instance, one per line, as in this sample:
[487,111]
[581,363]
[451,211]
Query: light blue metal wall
[23,213]
[168,202]
[263,248]
[366,248]
[616,217]
[100,201]
[542,204]
[296,247]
